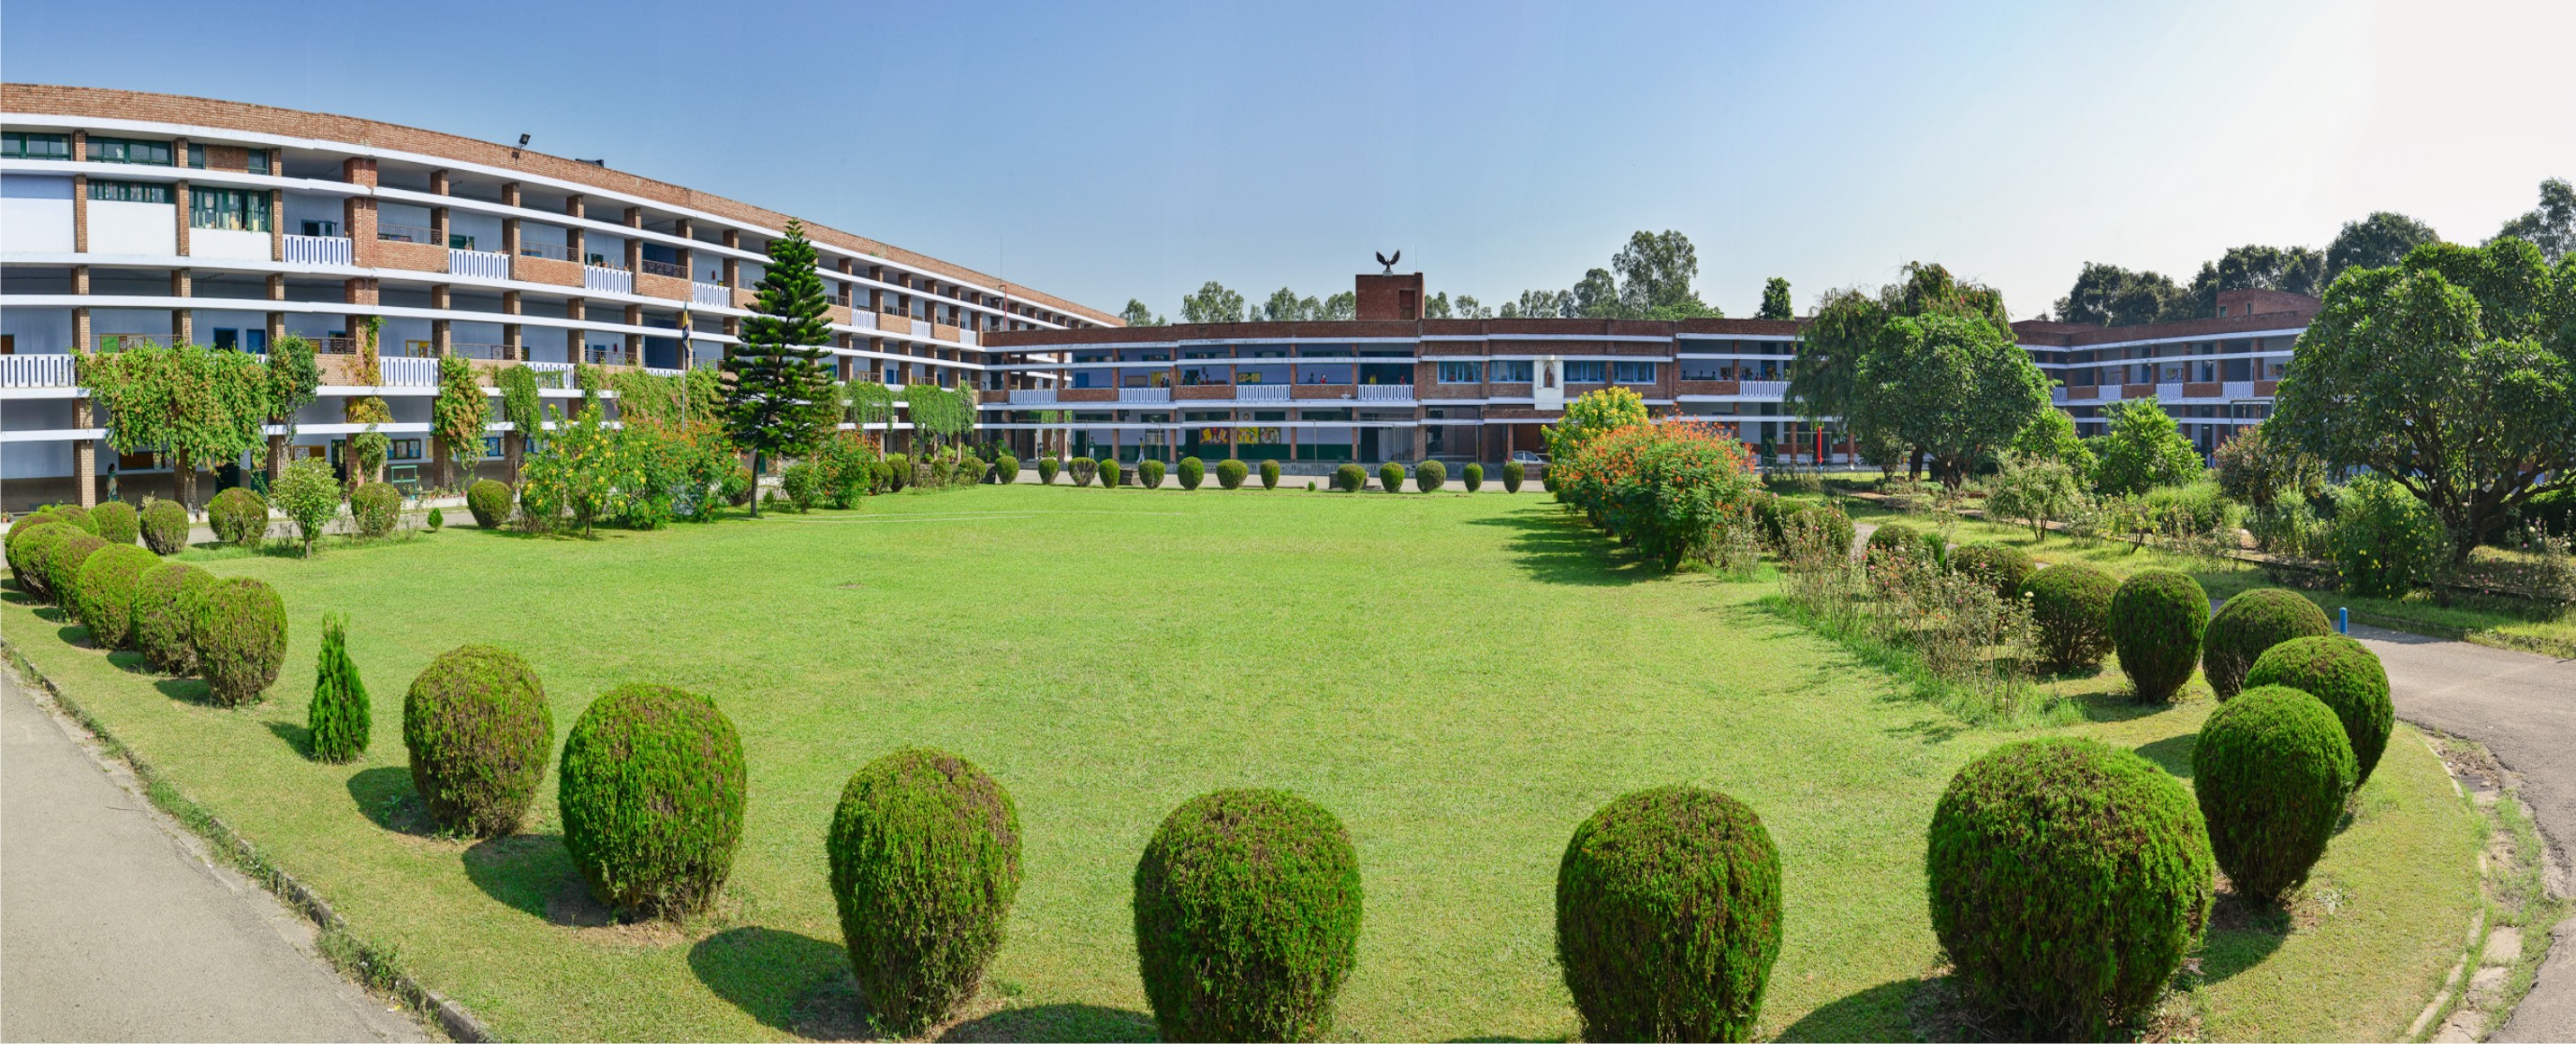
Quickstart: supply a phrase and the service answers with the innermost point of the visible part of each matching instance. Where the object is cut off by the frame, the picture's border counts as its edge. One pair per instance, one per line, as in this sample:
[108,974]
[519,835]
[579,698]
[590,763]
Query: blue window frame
[1583,372]
[1462,373]
[1633,372]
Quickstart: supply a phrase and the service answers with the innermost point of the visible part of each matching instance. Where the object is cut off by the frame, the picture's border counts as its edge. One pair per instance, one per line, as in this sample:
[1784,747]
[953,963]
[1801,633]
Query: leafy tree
[2255,468]
[456,417]
[1540,304]
[781,400]
[1590,415]
[1655,275]
[1775,300]
[2036,490]
[1470,308]
[1597,296]
[2109,295]
[1824,375]
[869,403]
[2145,449]
[293,379]
[2050,435]
[1284,306]
[523,408]
[2378,241]
[2453,374]
[1344,305]
[940,415]
[309,497]
[1953,387]
[1213,303]
[2552,225]
[1136,314]
[200,405]
[2297,270]
[1436,306]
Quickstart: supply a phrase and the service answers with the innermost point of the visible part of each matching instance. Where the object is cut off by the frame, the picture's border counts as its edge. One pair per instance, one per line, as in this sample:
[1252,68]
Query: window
[129,192]
[128,150]
[1461,373]
[197,156]
[1633,372]
[403,449]
[258,161]
[19,145]
[1583,373]
[231,210]
[1512,372]
[456,241]
[321,228]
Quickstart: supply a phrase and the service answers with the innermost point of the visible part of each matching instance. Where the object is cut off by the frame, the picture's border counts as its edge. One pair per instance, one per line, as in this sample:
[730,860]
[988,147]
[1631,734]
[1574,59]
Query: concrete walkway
[113,926]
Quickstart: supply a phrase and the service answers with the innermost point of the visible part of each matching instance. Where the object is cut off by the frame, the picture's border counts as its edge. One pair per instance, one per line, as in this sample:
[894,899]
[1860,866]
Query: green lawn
[1462,679]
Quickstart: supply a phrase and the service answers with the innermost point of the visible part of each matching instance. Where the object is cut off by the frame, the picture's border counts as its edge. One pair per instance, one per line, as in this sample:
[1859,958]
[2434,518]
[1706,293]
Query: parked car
[1527,457]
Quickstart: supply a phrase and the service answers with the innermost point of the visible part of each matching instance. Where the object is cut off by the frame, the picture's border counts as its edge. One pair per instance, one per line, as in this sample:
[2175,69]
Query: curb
[458,1023]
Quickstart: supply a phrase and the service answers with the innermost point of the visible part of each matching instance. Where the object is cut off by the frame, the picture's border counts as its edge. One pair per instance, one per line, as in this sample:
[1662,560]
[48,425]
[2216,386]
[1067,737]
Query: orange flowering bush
[1672,488]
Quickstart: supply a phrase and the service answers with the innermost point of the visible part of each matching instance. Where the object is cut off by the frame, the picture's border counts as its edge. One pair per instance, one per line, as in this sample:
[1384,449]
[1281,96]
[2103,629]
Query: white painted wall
[301,208]
[38,331]
[31,460]
[133,228]
[35,215]
[228,244]
[485,229]
[129,321]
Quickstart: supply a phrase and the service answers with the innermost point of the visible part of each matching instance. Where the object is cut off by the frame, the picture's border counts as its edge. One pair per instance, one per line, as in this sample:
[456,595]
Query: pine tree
[1775,300]
[780,400]
[339,718]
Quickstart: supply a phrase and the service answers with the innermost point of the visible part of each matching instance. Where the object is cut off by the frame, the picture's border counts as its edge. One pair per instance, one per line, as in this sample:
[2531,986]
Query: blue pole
[2343,620]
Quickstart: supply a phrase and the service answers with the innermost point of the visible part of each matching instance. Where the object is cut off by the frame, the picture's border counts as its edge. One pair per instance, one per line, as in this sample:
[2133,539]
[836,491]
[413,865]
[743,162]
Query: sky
[1106,152]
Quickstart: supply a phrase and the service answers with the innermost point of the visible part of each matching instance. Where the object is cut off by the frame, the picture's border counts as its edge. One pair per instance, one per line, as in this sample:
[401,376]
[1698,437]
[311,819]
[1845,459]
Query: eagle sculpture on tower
[1389,262]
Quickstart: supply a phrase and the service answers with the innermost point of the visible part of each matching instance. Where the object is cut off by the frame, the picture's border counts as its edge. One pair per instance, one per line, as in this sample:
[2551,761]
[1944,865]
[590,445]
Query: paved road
[112,927]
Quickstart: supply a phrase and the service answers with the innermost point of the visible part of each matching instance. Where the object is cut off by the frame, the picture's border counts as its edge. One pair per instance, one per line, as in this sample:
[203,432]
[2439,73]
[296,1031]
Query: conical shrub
[339,720]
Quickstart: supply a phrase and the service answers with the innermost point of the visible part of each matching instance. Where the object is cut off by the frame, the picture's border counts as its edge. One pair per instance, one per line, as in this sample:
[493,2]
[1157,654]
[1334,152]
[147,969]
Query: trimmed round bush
[239,632]
[1047,468]
[116,522]
[489,501]
[1514,473]
[106,592]
[1192,472]
[75,514]
[1473,477]
[2067,881]
[1230,474]
[1006,469]
[925,856]
[478,728]
[1109,473]
[376,508]
[2249,623]
[62,565]
[2070,607]
[1668,917]
[164,613]
[2157,618]
[652,793]
[1892,538]
[1350,478]
[29,540]
[2271,769]
[1430,475]
[2344,675]
[165,527]
[1149,474]
[1083,470]
[339,721]
[1247,917]
[2003,568]
[238,516]
[1390,477]
[1269,474]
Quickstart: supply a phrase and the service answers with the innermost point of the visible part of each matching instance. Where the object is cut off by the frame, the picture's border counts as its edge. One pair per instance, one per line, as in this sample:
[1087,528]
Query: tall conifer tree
[781,400]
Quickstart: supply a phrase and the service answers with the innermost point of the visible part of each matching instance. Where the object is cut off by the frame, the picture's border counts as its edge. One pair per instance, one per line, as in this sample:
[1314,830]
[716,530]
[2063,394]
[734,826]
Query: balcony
[121,342]
[709,295]
[480,351]
[1032,396]
[1765,389]
[37,371]
[2238,390]
[605,355]
[552,374]
[320,250]
[549,251]
[478,264]
[2203,390]
[665,268]
[408,372]
[1261,393]
[1386,393]
[599,279]
[2169,391]
[1144,395]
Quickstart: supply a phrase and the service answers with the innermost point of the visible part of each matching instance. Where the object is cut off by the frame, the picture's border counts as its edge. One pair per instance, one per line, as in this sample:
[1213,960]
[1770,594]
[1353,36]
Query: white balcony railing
[709,294]
[1144,395]
[37,371]
[967,337]
[1032,396]
[2109,393]
[408,371]
[320,250]
[864,320]
[553,374]
[2169,391]
[1261,392]
[2238,389]
[2057,395]
[1386,393]
[607,280]
[480,264]
[1764,389]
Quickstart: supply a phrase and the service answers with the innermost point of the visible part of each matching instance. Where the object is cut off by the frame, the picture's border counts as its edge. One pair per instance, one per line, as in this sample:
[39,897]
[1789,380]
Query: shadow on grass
[770,974]
[298,738]
[2172,753]
[2242,932]
[533,874]
[1876,1013]
[187,690]
[1557,549]
[1066,1022]
[2117,705]
[385,796]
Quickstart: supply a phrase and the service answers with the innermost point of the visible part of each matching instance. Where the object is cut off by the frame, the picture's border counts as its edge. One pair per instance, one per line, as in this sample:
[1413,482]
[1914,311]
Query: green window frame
[129,150]
[24,145]
[234,210]
[258,161]
[105,191]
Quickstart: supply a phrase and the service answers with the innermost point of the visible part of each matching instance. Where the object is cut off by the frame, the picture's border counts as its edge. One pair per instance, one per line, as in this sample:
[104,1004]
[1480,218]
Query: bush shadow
[1556,549]
[129,661]
[533,874]
[2114,706]
[1876,1013]
[770,974]
[298,737]
[1064,1022]
[187,690]
[2173,753]
[2242,932]
[384,795]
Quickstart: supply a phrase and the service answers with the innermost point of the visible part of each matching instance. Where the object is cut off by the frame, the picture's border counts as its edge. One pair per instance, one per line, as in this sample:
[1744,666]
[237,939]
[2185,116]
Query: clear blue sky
[1103,153]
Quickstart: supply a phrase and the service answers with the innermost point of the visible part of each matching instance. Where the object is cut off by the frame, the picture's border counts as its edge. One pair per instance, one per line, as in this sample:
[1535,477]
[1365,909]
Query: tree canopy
[198,404]
[1775,300]
[781,399]
[1825,375]
[2552,225]
[2377,241]
[2452,373]
[1951,385]
[1212,303]
[1136,314]
[2144,449]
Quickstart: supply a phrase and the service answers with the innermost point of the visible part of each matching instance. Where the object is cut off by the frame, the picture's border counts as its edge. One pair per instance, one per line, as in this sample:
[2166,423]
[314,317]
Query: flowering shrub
[641,475]
[1675,490]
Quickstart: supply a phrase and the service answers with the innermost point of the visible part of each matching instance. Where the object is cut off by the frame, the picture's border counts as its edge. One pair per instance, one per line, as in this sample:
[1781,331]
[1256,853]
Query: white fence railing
[2108,393]
[1144,395]
[37,371]
[607,280]
[1386,393]
[1261,392]
[2057,394]
[967,337]
[709,294]
[863,320]
[481,264]
[2238,389]
[320,250]
[1763,389]
[556,374]
[1032,396]
[2169,392]
[402,370]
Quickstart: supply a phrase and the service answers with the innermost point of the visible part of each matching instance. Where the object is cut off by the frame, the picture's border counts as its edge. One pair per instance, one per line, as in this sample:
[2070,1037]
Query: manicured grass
[1461,679]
